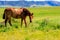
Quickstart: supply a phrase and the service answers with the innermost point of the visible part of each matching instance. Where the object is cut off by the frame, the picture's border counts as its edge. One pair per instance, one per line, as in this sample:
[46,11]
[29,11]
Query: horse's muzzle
[30,21]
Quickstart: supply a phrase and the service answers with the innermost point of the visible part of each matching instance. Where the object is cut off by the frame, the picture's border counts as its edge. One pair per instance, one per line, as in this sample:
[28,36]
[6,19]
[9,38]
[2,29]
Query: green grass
[45,25]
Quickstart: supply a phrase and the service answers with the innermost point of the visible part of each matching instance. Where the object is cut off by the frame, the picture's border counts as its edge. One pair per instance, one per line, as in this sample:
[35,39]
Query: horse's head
[31,17]
[28,13]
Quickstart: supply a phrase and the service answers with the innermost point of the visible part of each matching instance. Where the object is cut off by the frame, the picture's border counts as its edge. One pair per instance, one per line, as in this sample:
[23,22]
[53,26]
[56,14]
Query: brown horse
[17,13]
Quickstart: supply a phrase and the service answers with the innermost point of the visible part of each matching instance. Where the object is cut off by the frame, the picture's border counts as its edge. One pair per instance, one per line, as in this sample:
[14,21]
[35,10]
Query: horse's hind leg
[10,22]
[6,22]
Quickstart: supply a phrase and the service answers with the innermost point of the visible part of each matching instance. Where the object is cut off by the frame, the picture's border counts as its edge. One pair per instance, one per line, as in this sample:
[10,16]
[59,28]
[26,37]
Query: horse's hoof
[16,26]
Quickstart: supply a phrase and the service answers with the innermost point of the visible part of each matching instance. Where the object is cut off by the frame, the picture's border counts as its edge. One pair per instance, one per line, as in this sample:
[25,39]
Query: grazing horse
[17,13]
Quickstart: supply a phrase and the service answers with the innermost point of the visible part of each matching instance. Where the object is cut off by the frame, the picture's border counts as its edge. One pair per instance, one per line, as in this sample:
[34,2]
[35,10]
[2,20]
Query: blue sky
[30,0]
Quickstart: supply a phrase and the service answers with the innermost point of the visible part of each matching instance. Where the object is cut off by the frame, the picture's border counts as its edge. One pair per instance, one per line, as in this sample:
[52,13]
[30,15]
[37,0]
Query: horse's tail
[4,15]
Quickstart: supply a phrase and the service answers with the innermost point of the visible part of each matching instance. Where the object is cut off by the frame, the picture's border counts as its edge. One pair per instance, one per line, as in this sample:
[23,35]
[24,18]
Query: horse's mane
[26,11]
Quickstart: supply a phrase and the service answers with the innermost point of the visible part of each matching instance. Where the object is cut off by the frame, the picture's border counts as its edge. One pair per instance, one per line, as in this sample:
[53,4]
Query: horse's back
[15,10]
[18,11]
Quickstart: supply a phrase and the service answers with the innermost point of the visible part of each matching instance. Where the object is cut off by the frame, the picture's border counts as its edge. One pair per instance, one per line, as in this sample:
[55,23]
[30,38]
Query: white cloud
[34,0]
[52,0]
[56,0]
[42,0]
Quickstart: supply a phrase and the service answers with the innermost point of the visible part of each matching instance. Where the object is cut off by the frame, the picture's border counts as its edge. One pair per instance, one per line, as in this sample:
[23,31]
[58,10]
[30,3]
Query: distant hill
[29,3]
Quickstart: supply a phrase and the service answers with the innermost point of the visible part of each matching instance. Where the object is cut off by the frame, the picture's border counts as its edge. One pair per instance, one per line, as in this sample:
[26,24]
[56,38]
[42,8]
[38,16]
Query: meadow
[45,25]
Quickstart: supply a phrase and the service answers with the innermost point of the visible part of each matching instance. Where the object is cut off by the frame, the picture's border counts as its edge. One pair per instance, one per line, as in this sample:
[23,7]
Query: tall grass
[45,26]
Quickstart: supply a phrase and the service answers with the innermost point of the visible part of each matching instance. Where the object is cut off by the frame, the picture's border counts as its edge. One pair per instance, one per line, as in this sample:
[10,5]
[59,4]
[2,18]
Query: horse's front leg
[25,22]
[21,21]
